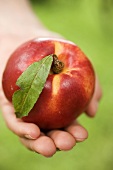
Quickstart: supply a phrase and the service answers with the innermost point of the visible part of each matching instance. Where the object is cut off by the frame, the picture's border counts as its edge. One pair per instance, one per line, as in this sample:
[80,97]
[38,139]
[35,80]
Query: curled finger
[63,140]
[43,145]
[77,131]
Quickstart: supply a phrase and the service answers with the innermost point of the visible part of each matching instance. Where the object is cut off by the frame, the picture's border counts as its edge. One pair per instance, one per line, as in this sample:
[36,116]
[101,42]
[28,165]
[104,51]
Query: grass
[89,25]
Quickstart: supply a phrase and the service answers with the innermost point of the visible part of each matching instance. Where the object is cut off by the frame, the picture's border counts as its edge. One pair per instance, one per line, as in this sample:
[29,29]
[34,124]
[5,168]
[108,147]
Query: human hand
[30,134]
[47,144]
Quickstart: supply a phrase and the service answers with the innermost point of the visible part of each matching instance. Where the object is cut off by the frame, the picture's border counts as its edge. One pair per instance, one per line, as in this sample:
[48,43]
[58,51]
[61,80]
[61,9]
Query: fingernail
[29,137]
[80,139]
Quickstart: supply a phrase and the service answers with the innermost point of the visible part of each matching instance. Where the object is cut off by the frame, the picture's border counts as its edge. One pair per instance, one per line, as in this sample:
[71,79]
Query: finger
[43,145]
[92,108]
[77,131]
[17,126]
[63,140]
[93,105]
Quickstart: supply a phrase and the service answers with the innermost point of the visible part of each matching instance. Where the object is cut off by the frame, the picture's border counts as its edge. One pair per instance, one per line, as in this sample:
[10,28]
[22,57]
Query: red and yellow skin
[65,95]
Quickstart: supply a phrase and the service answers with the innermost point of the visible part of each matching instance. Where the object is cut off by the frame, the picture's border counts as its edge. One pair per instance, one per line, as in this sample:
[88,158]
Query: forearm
[17,17]
[18,24]
[18,14]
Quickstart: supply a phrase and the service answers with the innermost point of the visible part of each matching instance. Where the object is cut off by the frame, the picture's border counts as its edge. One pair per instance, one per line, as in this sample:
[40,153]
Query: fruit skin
[65,95]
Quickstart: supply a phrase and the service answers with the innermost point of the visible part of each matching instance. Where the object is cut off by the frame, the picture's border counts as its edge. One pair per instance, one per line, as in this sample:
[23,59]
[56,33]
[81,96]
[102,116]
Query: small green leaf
[31,83]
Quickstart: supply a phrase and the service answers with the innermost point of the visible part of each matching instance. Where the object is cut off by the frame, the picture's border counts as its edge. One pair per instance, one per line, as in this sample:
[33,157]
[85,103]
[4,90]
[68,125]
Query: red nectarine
[66,93]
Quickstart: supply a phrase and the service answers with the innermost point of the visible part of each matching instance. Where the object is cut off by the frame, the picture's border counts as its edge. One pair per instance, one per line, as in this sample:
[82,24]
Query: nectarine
[69,86]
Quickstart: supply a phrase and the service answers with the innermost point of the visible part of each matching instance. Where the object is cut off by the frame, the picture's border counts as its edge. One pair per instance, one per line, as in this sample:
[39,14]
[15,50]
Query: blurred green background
[90,25]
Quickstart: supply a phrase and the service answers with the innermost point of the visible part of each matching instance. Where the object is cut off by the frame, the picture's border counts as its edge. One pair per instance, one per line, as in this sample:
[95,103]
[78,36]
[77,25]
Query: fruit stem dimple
[57,65]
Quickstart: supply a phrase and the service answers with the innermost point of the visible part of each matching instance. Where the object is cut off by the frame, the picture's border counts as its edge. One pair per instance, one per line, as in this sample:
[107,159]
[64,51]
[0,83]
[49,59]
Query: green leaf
[31,83]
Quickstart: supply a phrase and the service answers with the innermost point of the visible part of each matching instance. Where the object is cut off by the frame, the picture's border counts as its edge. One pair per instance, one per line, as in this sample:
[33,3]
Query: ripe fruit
[66,93]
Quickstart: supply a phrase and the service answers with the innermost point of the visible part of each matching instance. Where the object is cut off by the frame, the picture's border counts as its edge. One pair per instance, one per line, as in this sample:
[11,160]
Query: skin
[30,135]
